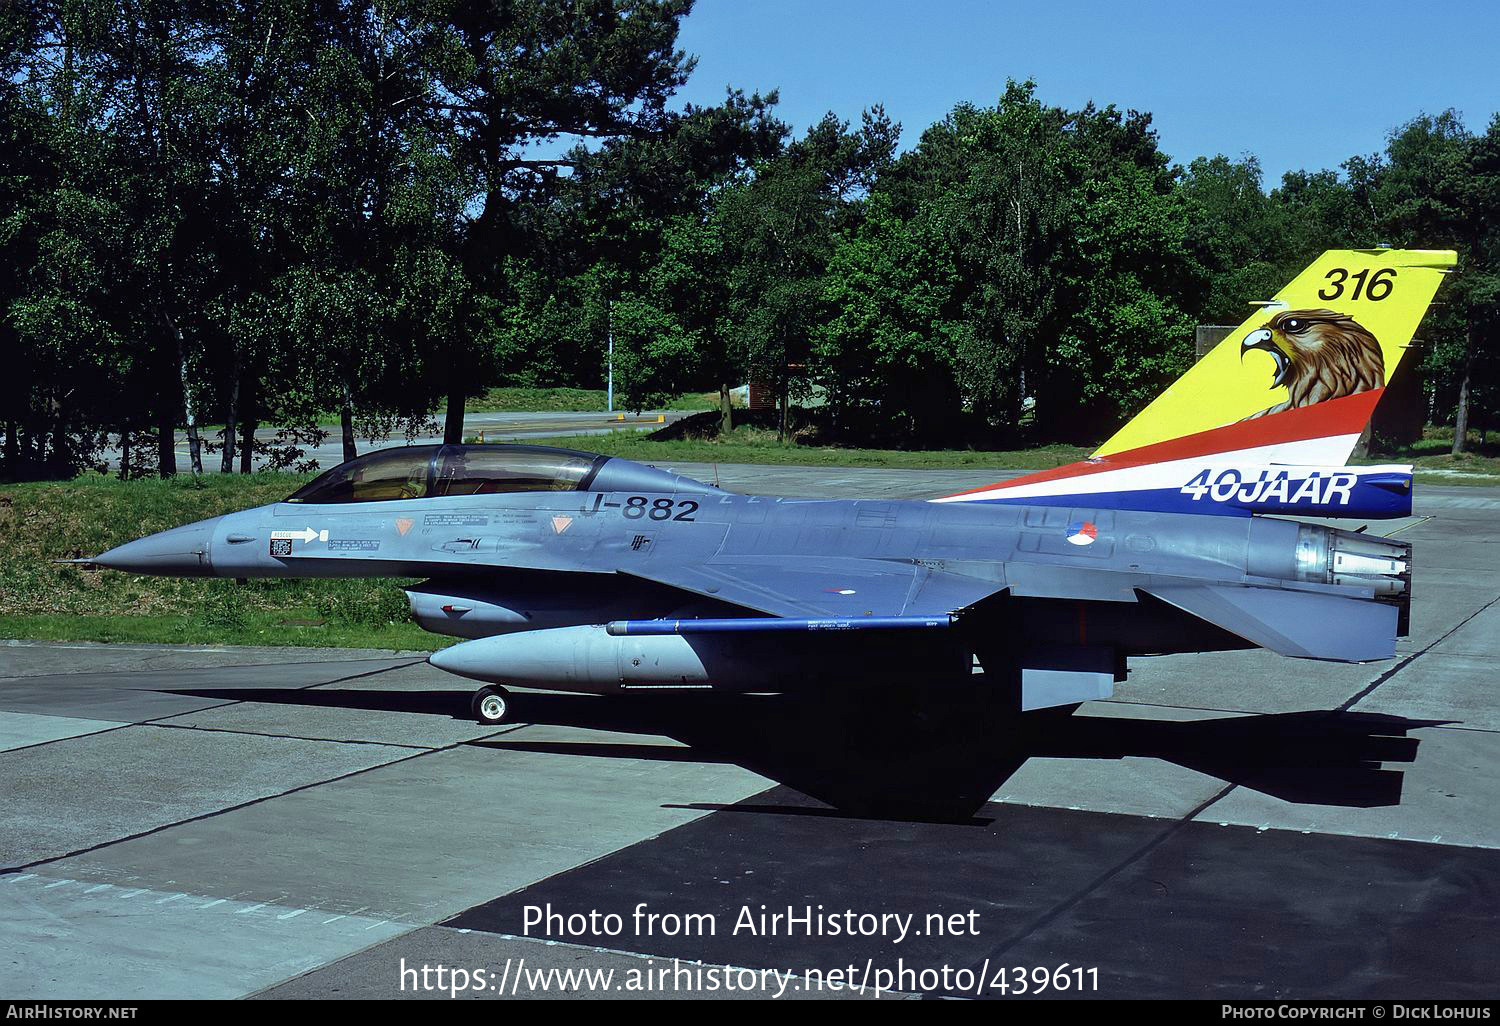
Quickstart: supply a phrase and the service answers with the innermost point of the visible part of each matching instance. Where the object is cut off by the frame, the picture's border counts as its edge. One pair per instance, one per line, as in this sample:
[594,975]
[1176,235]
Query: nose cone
[179,552]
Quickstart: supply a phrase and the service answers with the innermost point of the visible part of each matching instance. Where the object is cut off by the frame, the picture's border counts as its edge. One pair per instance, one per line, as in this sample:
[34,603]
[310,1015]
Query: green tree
[994,182]
[522,72]
[779,229]
[1235,233]
[1126,332]
[886,353]
[669,328]
[1438,186]
[1070,253]
[260,64]
[643,211]
[66,235]
[156,114]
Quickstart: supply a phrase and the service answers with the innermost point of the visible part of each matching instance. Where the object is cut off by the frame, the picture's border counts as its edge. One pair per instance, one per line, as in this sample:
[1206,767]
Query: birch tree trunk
[231,416]
[1461,419]
[195,446]
[247,425]
[346,422]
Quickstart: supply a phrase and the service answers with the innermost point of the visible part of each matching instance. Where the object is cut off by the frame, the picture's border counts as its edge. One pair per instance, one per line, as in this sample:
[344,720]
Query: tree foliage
[267,217]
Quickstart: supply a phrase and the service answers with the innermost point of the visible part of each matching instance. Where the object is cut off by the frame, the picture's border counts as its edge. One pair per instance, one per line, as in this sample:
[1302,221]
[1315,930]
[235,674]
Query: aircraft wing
[824,587]
[1292,622]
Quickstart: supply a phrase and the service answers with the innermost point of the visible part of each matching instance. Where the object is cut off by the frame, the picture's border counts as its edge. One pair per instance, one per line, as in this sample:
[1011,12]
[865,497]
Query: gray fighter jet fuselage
[580,572]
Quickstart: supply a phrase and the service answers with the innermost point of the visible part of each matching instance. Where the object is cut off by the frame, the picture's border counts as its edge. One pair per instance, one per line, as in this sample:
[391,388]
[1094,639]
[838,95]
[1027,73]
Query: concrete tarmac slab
[64,938]
[22,730]
[1354,773]
[415,705]
[1449,794]
[1476,640]
[1252,681]
[83,792]
[1125,774]
[33,658]
[1456,688]
[1138,786]
[416,731]
[137,696]
[425,837]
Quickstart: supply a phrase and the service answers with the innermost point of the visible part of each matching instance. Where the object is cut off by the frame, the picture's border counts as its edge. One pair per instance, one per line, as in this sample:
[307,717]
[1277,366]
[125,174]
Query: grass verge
[750,445]
[1434,462]
[570,400]
[43,600]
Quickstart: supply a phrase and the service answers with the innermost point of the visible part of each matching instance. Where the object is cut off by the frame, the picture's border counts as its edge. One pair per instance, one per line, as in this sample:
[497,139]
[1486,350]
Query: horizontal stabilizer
[1301,624]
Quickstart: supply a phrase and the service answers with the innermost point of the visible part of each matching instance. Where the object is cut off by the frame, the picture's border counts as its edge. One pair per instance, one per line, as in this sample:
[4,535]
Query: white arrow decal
[307,534]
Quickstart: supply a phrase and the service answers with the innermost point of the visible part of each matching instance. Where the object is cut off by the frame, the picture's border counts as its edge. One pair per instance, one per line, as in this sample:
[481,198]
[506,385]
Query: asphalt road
[276,822]
[494,427]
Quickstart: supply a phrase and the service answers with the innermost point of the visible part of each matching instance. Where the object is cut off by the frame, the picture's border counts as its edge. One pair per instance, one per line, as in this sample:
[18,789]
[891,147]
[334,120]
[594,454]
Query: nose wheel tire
[490,705]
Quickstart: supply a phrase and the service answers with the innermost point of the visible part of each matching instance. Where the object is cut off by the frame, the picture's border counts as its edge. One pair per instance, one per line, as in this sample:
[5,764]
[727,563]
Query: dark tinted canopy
[429,471]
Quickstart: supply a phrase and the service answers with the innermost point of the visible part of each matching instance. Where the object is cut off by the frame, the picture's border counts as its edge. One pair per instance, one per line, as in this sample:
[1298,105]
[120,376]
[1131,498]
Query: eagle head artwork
[1319,355]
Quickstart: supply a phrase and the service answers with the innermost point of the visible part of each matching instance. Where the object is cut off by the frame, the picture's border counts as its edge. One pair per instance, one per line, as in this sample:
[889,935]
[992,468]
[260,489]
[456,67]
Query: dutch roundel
[1082,532]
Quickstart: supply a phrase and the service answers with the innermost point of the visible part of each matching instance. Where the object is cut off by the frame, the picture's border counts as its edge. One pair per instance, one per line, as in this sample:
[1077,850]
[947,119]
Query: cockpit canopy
[431,471]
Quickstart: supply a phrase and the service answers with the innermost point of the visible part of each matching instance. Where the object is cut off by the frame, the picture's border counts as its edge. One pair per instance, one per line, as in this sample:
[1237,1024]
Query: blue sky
[1298,85]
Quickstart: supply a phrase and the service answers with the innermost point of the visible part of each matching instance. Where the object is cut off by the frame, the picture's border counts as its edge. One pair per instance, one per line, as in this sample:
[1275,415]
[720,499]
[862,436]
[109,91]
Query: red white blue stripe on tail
[1259,466]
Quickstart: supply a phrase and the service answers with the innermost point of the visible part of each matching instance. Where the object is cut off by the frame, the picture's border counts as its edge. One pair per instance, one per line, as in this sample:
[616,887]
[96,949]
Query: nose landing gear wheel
[490,706]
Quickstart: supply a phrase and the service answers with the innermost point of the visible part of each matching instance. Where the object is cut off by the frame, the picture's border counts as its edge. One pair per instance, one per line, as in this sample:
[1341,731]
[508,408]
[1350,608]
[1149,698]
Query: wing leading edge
[831,587]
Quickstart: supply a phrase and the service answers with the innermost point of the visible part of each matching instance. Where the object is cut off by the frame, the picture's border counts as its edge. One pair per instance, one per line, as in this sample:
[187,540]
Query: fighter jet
[580,572]
[573,571]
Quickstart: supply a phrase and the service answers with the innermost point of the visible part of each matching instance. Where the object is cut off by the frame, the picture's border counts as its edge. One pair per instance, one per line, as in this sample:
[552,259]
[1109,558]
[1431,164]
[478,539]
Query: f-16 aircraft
[579,572]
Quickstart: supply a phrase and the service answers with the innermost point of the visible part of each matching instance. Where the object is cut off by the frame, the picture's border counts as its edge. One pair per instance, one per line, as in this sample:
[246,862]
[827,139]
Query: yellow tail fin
[1338,330]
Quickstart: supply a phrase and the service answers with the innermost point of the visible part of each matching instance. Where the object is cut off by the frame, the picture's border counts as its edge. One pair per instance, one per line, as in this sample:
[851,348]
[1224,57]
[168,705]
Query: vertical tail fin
[1302,374]
[1265,422]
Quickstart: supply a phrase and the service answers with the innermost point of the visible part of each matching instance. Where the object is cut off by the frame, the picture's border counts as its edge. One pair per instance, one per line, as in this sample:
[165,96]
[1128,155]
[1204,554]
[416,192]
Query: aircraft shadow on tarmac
[939,757]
